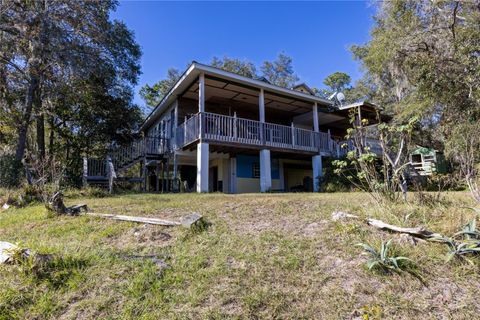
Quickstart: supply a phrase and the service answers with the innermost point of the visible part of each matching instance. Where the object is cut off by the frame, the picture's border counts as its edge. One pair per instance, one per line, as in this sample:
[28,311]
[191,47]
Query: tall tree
[52,42]
[337,81]
[423,59]
[152,95]
[241,67]
[59,60]
[280,72]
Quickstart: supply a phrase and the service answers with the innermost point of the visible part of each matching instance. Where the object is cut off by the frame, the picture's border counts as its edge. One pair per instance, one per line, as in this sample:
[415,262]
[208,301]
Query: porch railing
[123,156]
[221,128]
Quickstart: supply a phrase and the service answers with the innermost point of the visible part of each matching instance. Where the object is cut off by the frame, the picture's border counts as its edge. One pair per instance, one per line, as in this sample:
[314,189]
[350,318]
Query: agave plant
[382,260]
[469,231]
[464,242]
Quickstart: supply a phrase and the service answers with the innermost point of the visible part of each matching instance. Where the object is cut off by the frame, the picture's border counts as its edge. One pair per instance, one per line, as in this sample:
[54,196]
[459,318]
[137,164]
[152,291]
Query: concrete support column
[202,167]
[317,172]
[265,171]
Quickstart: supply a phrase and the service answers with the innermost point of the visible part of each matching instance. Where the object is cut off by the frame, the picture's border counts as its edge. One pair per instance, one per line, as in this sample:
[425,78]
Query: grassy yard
[263,256]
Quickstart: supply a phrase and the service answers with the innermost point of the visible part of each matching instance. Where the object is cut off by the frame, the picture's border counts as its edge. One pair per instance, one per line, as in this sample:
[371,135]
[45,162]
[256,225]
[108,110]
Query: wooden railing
[95,168]
[221,128]
[343,147]
[149,146]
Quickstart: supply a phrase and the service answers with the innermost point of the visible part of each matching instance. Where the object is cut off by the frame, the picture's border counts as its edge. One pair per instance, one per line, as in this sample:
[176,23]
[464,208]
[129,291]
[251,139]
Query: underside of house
[216,131]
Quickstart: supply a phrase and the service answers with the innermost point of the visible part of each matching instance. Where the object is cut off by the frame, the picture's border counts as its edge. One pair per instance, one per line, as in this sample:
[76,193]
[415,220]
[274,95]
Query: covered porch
[217,113]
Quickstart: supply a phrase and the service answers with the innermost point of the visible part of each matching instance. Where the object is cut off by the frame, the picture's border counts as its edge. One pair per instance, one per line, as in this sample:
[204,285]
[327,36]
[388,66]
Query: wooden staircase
[102,172]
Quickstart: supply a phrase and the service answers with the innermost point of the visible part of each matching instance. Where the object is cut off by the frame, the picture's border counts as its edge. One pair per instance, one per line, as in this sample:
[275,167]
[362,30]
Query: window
[256,170]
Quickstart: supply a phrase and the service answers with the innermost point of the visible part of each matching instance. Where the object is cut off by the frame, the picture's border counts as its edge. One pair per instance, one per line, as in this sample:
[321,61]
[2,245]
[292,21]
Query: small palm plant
[382,260]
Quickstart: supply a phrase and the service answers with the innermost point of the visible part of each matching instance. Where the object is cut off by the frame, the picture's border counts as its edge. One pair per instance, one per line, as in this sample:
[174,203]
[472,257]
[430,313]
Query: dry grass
[264,256]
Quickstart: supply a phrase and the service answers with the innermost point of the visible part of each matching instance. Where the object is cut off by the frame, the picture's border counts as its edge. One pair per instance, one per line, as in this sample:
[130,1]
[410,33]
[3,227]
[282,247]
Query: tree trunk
[41,135]
[23,128]
[51,138]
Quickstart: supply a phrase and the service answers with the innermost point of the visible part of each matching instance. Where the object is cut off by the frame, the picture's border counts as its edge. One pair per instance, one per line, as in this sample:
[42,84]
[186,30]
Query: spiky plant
[382,260]
[469,231]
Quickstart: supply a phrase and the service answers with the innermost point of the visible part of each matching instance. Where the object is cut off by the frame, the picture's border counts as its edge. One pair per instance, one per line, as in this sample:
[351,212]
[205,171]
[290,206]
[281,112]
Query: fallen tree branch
[187,221]
[418,232]
[56,204]
[135,219]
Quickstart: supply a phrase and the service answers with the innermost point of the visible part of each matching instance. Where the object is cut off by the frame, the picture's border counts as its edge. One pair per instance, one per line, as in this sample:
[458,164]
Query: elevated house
[219,131]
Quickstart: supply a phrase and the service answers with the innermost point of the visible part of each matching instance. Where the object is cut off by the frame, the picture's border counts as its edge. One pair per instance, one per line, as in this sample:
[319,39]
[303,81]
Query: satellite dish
[332,96]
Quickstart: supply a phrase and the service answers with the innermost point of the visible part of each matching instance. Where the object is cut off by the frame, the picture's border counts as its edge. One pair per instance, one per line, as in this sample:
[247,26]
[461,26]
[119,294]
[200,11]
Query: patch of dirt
[259,217]
[314,228]
[145,235]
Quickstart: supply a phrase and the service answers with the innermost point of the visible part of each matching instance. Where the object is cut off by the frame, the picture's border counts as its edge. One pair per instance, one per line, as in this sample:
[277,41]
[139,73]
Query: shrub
[10,171]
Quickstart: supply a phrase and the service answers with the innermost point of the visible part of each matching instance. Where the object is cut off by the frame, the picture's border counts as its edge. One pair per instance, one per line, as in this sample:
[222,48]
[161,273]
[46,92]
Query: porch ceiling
[220,90]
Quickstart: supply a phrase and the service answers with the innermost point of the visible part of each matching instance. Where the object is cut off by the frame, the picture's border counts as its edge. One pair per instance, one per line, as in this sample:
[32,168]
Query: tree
[423,61]
[240,67]
[379,169]
[280,72]
[152,95]
[464,148]
[338,82]
[47,49]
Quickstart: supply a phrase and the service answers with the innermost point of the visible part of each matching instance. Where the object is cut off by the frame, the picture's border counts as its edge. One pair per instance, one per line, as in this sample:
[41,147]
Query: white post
[317,172]
[261,106]
[261,113]
[293,134]
[185,131]
[202,167]
[201,93]
[315,118]
[201,103]
[265,165]
[175,125]
[235,133]
[265,171]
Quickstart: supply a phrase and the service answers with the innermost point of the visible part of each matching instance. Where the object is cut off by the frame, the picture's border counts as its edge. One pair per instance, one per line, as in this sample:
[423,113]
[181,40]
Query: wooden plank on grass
[134,219]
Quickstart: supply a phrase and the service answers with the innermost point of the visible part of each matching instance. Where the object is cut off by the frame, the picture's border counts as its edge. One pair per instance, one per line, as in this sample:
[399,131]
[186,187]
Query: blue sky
[316,35]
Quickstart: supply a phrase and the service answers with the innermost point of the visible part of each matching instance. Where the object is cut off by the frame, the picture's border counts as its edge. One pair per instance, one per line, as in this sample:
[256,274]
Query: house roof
[360,104]
[195,69]
[424,150]
[304,86]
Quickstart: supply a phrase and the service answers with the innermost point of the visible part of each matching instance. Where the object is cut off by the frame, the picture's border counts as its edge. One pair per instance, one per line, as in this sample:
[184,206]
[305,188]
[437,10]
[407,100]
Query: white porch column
[201,93]
[261,106]
[265,171]
[265,164]
[315,118]
[202,167]
[202,147]
[316,160]
[201,103]
[317,172]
